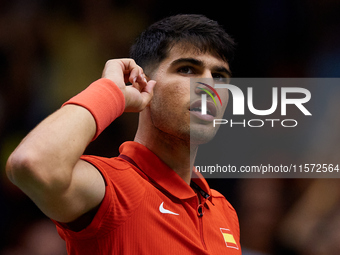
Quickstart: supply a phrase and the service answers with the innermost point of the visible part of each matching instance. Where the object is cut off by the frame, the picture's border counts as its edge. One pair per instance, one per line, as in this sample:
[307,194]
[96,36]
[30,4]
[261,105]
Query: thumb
[147,92]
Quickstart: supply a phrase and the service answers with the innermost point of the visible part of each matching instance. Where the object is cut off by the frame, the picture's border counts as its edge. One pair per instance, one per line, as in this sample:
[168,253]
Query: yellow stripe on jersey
[229,238]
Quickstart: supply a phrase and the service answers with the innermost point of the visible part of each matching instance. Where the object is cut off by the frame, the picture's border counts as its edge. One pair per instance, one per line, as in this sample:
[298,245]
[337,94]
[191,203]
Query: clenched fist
[121,71]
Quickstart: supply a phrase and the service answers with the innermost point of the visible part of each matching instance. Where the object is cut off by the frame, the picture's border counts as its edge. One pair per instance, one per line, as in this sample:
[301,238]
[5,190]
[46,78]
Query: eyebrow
[193,61]
[196,62]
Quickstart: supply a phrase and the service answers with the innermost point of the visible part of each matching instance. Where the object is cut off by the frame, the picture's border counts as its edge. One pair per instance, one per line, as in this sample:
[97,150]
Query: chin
[201,136]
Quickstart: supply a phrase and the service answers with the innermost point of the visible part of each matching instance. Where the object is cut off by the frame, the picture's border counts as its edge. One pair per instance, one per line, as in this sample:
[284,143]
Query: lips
[195,107]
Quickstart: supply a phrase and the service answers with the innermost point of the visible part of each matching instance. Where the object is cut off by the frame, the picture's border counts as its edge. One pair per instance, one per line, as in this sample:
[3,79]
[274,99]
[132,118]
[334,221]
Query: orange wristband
[104,100]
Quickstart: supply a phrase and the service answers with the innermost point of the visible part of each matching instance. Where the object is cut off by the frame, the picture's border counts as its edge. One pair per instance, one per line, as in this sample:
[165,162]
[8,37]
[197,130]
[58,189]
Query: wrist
[104,100]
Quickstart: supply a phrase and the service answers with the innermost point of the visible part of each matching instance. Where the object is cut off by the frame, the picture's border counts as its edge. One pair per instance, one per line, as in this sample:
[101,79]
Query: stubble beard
[201,134]
[179,127]
[173,127]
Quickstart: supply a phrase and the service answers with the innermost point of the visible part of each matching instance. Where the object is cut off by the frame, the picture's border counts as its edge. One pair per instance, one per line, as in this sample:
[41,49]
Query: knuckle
[130,61]
[109,62]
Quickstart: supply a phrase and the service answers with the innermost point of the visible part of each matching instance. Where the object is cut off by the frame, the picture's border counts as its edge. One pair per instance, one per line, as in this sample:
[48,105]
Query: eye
[186,70]
[218,76]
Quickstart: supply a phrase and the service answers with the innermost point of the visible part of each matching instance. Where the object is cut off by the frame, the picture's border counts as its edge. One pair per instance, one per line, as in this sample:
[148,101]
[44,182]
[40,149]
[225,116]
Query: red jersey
[149,209]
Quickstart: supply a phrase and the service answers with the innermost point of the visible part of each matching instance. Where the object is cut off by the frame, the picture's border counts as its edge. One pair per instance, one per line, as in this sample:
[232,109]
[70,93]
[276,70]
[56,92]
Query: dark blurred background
[50,50]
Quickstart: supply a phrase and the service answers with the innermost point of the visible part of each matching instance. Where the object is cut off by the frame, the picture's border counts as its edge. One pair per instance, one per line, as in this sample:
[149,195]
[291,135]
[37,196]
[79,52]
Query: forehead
[178,52]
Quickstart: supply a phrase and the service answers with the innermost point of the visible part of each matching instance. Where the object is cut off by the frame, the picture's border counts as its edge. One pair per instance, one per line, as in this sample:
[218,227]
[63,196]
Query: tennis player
[148,200]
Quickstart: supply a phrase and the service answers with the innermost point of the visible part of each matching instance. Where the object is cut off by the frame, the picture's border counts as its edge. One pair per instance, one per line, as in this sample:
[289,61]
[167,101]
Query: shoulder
[110,167]
[227,210]
[221,199]
[224,206]
[117,173]
[106,163]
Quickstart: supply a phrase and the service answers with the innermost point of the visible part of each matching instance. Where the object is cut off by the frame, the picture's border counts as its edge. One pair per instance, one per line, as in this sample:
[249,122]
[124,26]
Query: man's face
[175,107]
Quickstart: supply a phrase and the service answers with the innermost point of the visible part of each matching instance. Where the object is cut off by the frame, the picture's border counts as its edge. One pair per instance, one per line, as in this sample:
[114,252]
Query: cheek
[225,99]
[163,100]
[224,94]
[170,107]
[172,94]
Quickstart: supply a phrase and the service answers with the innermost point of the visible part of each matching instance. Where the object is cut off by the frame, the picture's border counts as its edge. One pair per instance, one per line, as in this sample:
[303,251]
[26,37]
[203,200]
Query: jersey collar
[157,171]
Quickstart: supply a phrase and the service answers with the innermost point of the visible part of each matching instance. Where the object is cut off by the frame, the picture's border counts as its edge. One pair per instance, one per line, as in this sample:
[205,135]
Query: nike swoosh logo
[162,210]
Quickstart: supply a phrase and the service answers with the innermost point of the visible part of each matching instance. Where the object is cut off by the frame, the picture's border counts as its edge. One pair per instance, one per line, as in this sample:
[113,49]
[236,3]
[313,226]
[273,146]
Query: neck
[176,153]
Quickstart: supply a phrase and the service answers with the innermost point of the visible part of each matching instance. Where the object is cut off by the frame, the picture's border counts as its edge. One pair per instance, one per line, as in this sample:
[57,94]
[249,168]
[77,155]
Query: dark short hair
[154,44]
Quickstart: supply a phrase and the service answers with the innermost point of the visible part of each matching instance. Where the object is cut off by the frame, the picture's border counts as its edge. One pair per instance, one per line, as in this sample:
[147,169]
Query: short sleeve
[124,190]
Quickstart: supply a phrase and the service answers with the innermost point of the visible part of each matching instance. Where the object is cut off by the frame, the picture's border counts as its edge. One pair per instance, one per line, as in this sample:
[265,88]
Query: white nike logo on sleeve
[162,210]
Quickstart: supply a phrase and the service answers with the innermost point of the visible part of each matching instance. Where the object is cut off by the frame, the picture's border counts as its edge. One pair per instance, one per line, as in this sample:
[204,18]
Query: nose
[204,88]
[207,74]
[206,84]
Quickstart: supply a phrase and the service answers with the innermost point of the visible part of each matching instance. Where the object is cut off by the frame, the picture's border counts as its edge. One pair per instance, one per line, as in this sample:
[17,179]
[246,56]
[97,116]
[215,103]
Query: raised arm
[46,164]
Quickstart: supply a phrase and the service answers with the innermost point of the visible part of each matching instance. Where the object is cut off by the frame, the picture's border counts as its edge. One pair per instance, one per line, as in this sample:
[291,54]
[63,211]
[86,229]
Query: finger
[141,81]
[134,73]
[147,94]
[149,87]
[120,70]
[130,69]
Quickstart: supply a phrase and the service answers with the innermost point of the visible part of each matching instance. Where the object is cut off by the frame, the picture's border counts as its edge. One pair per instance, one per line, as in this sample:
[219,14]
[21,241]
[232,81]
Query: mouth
[196,109]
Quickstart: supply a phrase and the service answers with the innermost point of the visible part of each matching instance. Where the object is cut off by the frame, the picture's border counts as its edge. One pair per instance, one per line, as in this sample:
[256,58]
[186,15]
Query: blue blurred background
[50,50]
